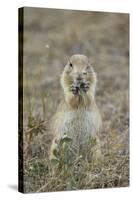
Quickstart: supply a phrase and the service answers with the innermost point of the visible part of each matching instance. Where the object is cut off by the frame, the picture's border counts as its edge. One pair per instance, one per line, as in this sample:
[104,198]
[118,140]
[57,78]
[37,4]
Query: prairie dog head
[78,76]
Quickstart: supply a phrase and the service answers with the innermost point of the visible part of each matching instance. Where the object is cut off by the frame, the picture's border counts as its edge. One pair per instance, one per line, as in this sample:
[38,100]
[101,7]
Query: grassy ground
[50,36]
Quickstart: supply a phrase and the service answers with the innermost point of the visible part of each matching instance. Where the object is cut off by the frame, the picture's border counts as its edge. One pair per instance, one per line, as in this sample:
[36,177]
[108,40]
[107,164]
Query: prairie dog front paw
[74,88]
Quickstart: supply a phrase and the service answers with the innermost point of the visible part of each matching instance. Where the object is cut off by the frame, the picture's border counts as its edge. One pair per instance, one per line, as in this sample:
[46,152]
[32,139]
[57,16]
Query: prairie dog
[77,116]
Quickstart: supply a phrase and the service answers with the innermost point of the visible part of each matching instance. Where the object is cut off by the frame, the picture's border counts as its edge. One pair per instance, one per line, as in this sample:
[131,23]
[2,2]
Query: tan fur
[77,115]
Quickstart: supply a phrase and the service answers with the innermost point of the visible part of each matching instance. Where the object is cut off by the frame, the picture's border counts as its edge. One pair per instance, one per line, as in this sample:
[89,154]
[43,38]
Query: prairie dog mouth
[78,87]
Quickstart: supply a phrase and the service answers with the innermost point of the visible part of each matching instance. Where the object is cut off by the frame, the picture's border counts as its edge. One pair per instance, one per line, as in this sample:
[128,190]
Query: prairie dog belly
[79,125]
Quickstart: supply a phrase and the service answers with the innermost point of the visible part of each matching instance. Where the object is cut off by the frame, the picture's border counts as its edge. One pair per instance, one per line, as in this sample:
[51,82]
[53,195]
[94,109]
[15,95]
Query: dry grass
[49,37]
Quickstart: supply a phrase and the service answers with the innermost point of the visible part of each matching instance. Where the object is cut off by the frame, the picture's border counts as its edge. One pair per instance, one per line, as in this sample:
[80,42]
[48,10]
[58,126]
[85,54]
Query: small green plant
[62,153]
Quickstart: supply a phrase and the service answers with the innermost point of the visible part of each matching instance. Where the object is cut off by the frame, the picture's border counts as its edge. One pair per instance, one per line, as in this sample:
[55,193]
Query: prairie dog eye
[84,73]
[70,64]
[69,67]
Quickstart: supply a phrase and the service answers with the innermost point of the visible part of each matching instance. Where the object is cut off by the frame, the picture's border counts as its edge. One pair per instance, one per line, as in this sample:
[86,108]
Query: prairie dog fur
[77,115]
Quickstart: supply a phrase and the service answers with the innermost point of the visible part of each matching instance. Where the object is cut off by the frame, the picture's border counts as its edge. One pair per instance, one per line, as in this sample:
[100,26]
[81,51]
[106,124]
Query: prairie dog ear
[89,68]
[91,63]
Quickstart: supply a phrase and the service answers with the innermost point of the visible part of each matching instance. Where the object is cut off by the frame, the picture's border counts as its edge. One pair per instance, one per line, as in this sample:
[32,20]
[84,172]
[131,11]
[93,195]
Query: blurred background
[50,37]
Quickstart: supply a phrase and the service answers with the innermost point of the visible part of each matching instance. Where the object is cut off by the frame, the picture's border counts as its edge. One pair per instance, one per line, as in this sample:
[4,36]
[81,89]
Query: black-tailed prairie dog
[77,115]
